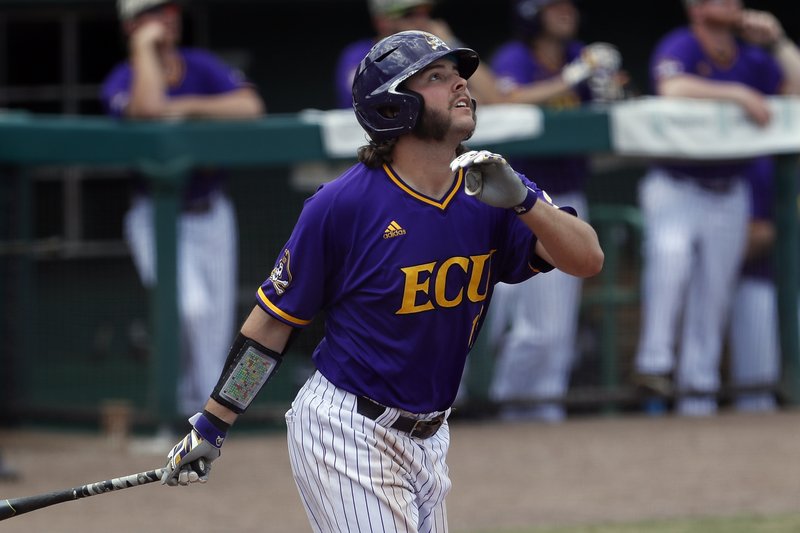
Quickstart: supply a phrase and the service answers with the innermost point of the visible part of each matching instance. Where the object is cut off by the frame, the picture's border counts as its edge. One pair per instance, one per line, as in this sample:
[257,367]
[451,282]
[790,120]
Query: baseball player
[163,80]
[534,324]
[754,345]
[401,253]
[696,214]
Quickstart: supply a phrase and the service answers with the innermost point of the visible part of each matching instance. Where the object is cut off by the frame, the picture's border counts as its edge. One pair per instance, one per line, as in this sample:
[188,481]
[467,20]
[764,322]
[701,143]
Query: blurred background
[75,330]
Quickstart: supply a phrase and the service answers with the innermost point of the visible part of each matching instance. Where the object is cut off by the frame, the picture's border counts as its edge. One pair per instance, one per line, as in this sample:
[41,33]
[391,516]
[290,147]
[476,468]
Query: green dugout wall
[77,328]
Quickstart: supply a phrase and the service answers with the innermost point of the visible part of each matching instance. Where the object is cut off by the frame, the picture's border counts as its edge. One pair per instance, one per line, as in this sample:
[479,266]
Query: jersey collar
[441,204]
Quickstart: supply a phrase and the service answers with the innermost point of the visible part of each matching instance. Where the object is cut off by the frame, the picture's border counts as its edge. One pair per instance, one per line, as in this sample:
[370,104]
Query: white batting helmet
[128,9]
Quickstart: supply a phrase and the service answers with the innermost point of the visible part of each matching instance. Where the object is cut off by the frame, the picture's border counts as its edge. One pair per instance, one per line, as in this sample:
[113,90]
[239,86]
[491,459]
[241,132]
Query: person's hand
[755,105]
[190,460]
[490,179]
[596,57]
[761,28]
[150,33]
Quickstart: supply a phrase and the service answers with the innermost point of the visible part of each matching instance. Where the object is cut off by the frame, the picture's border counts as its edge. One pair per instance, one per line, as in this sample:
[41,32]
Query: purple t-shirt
[404,281]
[346,68]
[514,64]
[680,52]
[760,176]
[204,74]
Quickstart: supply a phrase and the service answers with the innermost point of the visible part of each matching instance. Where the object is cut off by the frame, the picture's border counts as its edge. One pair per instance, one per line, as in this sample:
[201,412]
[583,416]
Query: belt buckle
[425,429]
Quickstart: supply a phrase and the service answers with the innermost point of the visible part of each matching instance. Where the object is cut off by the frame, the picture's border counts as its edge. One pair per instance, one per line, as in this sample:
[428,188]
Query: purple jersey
[761,178]
[404,281]
[680,53]
[204,74]
[514,64]
[346,67]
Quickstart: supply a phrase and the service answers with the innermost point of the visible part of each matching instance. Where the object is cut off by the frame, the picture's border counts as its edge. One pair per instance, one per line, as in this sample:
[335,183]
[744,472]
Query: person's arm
[268,332]
[565,241]
[596,57]
[763,28]
[538,92]
[239,104]
[691,86]
[258,348]
[148,96]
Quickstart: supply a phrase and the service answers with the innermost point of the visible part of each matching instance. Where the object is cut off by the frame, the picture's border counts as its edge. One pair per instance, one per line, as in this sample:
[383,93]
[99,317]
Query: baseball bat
[18,506]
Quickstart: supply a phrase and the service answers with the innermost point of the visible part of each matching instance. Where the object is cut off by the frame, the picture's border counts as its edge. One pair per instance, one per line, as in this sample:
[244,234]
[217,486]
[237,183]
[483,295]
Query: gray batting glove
[190,460]
[490,179]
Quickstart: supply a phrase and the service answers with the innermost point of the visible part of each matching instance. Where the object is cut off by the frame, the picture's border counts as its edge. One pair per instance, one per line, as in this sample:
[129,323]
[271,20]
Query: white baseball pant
[693,249]
[535,357]
[206,279]
[356,474]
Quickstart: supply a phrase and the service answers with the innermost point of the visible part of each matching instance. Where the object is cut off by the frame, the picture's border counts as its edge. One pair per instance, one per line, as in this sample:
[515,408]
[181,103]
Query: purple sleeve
[673,55]
[512,62]
[346,67]
[215,76]
[295,289]
[115,92]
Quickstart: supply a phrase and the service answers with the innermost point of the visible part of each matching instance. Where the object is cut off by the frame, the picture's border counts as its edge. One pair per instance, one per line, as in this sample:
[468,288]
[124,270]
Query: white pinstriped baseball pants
[536,356]
[693,250]
[354,474]
[207,258]
[754,344]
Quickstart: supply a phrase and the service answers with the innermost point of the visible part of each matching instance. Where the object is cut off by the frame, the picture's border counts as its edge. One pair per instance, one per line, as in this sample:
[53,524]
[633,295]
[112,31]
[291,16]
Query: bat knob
[200,467]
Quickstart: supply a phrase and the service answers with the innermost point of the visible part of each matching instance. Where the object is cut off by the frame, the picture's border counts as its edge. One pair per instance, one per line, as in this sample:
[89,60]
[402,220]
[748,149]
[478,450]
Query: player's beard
[435,125]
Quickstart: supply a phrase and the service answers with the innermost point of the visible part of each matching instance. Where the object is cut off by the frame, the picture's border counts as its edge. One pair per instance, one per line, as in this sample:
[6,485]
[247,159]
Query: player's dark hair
[374,155]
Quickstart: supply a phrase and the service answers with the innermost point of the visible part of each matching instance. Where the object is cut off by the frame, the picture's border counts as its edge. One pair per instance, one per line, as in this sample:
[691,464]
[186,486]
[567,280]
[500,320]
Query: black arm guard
[248,367]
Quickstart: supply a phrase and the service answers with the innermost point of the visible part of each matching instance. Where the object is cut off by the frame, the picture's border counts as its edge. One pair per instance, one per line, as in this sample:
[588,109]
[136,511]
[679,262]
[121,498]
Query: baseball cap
[394,7]
[128,9]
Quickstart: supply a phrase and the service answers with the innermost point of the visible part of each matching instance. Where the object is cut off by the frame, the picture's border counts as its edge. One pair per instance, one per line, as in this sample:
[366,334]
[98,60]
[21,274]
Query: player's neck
[718,42]
[424,165]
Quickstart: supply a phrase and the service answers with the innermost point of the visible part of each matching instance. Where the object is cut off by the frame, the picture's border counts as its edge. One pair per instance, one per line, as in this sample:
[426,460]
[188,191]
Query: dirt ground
[587,470]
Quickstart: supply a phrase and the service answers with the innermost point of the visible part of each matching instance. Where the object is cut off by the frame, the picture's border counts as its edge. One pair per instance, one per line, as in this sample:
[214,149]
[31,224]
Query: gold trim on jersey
[441,205]
[283,315]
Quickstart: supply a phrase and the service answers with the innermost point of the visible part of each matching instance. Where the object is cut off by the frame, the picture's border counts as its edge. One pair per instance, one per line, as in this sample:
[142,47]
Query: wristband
[527,204]
[206,425]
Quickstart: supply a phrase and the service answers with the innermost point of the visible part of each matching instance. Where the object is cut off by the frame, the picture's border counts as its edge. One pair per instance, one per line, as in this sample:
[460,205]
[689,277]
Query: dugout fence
[78,329]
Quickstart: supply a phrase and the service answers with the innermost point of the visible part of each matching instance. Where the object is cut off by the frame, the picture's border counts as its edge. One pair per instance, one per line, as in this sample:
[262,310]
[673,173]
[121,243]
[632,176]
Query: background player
[754,345]
[401,253]
[163,80]
[696,214]
[547,66]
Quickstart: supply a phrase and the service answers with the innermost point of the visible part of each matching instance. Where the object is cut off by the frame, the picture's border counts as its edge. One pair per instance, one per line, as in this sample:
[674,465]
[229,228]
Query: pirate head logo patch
[281,276]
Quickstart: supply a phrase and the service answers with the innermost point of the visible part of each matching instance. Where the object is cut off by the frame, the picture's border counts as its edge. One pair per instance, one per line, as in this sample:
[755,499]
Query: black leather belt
[421,429]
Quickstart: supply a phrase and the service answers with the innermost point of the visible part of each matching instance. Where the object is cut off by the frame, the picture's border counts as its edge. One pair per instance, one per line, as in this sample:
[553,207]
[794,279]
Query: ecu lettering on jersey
[426,285]
[281,275]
